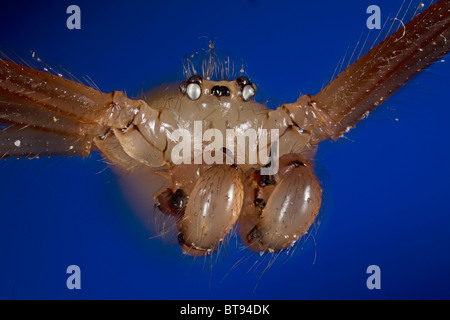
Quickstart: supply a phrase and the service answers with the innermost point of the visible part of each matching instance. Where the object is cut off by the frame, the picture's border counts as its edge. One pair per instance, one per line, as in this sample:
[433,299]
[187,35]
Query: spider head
[196,87]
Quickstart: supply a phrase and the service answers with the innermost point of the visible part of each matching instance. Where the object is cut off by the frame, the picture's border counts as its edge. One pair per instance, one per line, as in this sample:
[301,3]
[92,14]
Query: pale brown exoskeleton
[51,115]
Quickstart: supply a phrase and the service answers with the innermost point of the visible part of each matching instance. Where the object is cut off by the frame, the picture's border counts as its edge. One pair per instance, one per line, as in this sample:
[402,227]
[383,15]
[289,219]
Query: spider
[175,201]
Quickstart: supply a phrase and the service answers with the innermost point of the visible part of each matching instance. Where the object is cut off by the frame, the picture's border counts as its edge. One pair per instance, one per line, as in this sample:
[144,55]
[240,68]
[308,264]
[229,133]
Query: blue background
[386,187]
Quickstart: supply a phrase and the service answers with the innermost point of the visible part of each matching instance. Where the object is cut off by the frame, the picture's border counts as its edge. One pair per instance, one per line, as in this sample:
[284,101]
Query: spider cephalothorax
[227,160]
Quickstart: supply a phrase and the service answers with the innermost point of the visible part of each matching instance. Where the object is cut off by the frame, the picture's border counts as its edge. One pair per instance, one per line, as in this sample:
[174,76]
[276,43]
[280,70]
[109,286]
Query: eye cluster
[247,89]
[192,88]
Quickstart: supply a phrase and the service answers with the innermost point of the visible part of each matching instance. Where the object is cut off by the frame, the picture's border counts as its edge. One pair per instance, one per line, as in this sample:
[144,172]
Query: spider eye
[191,87]
[193,91]
[248,92]
[195,79]
[242,81]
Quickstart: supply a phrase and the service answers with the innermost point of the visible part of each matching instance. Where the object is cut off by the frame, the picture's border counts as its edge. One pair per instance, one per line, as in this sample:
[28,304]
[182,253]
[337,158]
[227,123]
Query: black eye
[195,79]
[242,81]
[191,87]
[248,90]
[220,91]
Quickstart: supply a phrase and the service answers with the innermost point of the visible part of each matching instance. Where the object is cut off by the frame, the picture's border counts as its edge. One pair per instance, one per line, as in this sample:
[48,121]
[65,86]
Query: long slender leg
[373,78]
[26,142]
[69,98]
[45,114]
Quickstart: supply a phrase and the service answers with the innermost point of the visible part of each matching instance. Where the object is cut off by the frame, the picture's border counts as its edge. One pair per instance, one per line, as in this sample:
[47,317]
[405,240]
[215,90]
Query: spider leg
[368,82]
[26,142]
[45,114]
